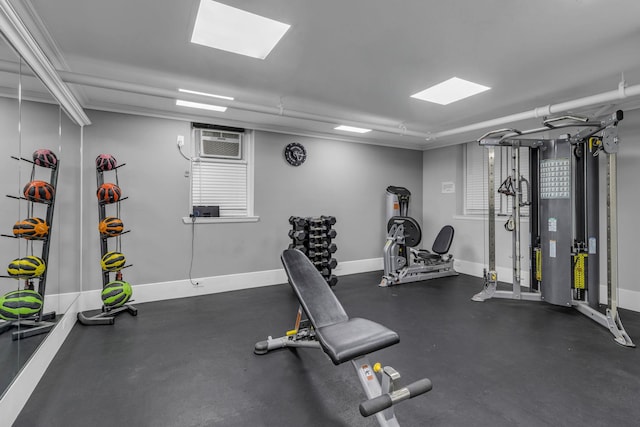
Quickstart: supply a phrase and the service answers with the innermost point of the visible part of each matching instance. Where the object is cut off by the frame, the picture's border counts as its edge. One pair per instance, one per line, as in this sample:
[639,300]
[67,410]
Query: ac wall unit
[219,144]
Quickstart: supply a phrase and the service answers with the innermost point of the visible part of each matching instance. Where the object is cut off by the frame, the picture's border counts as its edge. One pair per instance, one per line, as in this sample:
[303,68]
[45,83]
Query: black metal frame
[107,316]
[38,323]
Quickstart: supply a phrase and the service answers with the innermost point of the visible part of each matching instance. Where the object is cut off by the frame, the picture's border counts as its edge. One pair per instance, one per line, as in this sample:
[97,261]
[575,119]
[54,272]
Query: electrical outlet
[180,140]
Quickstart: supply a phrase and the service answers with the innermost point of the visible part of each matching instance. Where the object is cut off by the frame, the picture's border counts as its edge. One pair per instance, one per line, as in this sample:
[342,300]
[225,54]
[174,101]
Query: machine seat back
[443,240]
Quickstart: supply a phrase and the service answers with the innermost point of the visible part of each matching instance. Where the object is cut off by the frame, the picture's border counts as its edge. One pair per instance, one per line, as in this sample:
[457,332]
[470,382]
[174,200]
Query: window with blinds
[222,184]
[475,183]
[226,183]
[476,200]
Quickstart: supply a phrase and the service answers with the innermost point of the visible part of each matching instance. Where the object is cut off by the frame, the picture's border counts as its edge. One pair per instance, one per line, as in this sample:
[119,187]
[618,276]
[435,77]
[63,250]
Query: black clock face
[295,154]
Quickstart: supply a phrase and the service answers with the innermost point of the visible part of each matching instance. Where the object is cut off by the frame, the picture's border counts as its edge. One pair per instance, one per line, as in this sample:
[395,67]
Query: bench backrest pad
[316,297]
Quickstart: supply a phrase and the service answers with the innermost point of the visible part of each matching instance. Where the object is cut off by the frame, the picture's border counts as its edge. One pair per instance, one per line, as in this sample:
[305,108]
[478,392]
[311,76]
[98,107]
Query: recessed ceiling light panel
[212,95]
[450,91]
[352,129]
[227,28]
[190,104]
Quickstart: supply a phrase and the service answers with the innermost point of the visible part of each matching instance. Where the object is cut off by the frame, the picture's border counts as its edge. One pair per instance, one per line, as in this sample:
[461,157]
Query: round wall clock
[295,154]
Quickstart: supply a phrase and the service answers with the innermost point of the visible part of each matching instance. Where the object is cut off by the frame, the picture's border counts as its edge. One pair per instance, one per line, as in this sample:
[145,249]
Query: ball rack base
[107,317]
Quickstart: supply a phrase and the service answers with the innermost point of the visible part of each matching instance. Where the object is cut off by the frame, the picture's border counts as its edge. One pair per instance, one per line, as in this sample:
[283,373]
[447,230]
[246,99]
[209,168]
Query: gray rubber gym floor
[14,355]
[190,362]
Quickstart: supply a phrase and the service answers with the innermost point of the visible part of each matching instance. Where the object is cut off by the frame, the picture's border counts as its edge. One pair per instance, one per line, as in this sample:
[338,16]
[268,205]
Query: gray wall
[446,164]
[628,201]
[346,180]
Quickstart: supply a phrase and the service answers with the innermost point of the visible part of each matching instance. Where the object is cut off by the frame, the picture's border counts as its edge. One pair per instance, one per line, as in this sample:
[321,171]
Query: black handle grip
[380,403]
[419,387]
[619,115]
[375,405]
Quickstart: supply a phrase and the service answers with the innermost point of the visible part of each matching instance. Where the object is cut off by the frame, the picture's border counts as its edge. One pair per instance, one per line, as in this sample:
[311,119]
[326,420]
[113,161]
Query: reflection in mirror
[10,354]
[42,152]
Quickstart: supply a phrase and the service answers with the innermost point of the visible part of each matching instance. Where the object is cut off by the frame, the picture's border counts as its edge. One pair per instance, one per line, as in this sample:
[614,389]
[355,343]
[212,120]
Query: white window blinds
[476,179]
[220,183]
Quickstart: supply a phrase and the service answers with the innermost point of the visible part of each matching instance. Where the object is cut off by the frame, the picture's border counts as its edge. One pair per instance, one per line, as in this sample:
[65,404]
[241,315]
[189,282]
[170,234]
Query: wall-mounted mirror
[39,215]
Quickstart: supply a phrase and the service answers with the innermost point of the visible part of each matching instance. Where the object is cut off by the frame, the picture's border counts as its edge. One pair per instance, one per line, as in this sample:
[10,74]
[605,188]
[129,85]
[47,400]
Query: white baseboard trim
[215,284]
[627,299]
[19,391]
[360,266]
[60,303]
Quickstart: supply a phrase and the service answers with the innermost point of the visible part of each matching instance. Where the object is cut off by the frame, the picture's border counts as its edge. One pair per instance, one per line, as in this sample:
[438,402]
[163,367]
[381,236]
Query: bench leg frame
[381,397]
[373,388]
[302,335]
[263,347]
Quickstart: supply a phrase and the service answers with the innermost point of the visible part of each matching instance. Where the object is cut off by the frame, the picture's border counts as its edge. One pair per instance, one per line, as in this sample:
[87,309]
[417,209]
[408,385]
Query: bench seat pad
[356,337]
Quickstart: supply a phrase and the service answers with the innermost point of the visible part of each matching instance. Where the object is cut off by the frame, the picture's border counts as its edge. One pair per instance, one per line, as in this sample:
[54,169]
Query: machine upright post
[492,209]
[612,234]
[534,227]
[517,199]
[592,229]
[491,276]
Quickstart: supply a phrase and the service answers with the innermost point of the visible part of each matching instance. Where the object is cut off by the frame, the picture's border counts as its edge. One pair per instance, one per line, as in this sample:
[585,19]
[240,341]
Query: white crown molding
[40,33]
[26,46]
[42,36]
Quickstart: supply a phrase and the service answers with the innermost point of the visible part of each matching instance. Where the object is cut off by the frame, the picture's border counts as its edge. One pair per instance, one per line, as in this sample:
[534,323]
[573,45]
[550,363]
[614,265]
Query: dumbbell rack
[38,323]
[313,237]
[107,317]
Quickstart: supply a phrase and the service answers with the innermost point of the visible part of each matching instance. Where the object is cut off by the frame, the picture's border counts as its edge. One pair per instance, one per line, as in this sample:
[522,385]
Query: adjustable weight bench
[343,339]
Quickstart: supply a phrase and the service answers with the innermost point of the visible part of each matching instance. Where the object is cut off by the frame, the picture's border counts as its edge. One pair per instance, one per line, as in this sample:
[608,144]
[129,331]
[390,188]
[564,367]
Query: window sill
[219,220]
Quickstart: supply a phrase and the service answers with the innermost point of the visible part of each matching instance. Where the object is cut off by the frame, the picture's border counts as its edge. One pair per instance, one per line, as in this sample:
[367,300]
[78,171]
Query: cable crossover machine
[564,221]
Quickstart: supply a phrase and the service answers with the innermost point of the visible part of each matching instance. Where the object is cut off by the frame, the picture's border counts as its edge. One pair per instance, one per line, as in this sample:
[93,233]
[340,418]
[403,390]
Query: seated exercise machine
[403,263]
[343,339]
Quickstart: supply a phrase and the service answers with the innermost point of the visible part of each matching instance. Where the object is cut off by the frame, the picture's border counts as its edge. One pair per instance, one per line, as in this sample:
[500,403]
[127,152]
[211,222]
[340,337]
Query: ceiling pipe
[279,110]
[589,101]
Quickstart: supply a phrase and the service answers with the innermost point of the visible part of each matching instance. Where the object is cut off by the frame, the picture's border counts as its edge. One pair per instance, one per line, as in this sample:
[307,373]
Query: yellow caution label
[538,253]
[578,271]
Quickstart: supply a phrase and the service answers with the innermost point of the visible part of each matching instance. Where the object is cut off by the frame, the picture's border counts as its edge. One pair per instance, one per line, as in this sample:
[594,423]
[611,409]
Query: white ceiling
[350,62]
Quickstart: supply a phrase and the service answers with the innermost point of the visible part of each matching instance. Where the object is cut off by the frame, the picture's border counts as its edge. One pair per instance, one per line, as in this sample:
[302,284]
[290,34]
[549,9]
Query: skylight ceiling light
[352,129]
[224,27]
[194,92]
[190,104]
[450,91]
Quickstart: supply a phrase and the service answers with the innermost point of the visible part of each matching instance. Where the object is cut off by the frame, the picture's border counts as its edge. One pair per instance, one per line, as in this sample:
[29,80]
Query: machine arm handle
[526,202]
[382,402]
[375,405]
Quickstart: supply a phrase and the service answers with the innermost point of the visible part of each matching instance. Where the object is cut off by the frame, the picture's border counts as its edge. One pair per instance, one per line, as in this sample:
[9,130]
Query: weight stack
[313,236]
